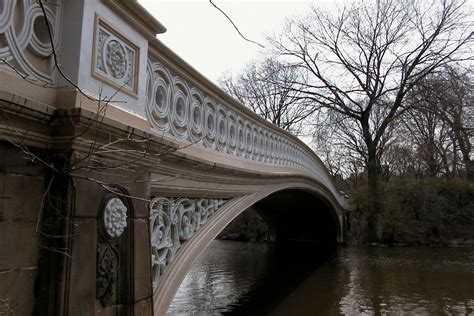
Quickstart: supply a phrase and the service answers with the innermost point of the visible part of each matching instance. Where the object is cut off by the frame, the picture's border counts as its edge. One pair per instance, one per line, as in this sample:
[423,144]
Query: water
[253,279]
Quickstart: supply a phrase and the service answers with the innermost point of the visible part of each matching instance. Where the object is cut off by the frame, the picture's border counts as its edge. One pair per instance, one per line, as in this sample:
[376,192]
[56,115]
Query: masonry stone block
[144,307]
[88,196]
[20,197]
[16,291]
[19,245]
[110,311]
[82,267]
[141,253]
[16,161]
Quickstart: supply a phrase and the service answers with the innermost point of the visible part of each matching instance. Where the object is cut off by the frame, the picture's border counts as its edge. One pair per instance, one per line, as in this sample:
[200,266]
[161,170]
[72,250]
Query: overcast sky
[202,35]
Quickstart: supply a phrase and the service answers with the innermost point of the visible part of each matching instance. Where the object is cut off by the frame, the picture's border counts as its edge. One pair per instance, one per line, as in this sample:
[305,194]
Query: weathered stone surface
[16,291]
[20,196]
[18,245]
[16,161]
[144,307]
[141,253]
[89,194]
[82,282]
[110,311]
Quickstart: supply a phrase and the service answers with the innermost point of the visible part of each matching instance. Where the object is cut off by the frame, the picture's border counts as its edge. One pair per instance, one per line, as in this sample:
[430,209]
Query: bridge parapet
[108,50]
[209,119]
[110,83]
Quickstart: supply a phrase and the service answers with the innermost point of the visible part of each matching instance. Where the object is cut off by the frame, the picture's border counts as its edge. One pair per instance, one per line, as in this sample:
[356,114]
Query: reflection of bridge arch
[270,201]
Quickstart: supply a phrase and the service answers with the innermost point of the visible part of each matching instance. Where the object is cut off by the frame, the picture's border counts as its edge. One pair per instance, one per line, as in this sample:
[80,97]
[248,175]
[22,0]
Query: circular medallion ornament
[116,59]
[115,217]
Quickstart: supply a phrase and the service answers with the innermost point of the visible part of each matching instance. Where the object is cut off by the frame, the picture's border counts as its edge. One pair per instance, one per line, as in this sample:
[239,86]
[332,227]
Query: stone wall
[22,185]
[55,255]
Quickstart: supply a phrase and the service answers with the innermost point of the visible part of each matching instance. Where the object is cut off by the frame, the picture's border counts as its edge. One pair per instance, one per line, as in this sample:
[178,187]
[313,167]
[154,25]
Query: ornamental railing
[155,85]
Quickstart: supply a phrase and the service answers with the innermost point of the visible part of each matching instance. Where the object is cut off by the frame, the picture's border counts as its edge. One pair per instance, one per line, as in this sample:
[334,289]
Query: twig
[55,56]
[25,77]
[5,308]
[40,215]
[235,26]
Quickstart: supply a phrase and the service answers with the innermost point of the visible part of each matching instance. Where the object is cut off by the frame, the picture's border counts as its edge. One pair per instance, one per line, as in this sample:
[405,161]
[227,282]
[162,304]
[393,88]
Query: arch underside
[299,213]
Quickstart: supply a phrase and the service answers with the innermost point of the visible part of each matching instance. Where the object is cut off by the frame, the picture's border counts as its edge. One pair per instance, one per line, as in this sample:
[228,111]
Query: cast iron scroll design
[172,222]
[108,263]
[177,109]
[27,45]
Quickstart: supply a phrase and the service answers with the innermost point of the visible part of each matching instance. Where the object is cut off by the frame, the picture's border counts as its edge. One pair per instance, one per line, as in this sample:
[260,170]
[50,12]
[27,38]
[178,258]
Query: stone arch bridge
[120,163]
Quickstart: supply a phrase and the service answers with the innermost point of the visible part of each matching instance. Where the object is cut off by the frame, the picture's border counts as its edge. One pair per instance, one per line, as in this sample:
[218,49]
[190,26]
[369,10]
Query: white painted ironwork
[26,42]
[172,222]
[175,108]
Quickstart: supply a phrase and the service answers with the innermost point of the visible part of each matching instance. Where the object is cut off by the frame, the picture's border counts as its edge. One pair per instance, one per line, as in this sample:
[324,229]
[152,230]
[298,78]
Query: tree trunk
[373,203]
[465,148]
[469,164]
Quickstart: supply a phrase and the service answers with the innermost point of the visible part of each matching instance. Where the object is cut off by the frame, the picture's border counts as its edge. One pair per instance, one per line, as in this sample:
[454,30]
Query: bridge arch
[271,201]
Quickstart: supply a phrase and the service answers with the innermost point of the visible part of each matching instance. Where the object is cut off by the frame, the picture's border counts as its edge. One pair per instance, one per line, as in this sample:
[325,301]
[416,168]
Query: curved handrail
[183,104]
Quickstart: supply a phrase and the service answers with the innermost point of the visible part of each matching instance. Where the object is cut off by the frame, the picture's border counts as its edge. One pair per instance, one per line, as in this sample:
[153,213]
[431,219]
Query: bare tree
[362,62]
[268,88]
[427,133]
[401,159]
[449,96]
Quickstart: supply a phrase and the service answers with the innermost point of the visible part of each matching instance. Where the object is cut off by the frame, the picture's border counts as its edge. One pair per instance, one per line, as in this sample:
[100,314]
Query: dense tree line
[384,87]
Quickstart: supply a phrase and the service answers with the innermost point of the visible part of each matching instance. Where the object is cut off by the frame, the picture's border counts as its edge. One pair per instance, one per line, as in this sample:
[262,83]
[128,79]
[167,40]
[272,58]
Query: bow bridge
[120,163]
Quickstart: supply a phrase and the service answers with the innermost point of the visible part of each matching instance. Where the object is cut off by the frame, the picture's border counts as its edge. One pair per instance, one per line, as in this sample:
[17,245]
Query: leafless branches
[440,124]
[5,308]
[360,64]
[268,88]
[235,26]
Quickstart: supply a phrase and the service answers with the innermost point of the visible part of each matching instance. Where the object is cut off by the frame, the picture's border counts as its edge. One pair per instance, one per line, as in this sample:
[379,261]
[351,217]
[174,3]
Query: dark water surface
[236,278]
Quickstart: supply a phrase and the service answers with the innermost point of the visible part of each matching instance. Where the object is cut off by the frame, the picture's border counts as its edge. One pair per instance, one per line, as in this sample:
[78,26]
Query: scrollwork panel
[25,43]
[173,221]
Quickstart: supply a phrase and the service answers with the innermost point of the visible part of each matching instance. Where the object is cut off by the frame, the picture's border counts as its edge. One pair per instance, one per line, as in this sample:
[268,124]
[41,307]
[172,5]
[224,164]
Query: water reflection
[388,281]
[222,277]
[250,279]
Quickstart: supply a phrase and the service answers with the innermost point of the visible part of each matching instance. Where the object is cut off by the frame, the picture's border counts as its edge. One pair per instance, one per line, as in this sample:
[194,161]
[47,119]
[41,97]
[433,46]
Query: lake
[238,278]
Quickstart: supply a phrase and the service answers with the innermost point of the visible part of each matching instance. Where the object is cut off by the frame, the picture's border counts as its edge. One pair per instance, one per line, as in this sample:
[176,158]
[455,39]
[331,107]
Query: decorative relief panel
[184,112]
[108,264]
[115,58]
[115,217]
[112,226]
[173,221]
[25,43]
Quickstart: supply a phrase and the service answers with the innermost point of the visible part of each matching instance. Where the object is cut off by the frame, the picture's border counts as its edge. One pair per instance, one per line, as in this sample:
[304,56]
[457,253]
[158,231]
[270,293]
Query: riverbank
[423,212]
[430,212]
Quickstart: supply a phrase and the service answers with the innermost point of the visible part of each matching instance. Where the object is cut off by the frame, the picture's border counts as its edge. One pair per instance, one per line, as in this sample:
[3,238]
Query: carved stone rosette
[115,217]
[173,221]
[112,227]
[115,58]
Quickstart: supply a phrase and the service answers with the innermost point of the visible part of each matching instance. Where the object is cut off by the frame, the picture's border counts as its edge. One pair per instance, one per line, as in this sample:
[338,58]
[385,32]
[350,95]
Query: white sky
[202,35]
